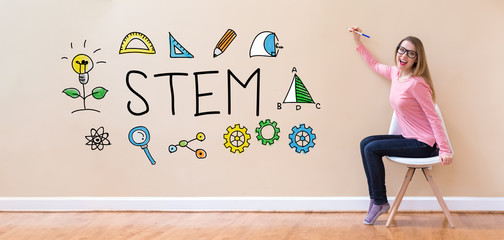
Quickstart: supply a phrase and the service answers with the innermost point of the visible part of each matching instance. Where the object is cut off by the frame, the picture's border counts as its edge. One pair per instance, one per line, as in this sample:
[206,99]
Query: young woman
[412,97]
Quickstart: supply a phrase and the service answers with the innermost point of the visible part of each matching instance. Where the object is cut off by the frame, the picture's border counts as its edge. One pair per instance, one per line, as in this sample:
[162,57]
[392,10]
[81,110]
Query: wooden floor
[245,225]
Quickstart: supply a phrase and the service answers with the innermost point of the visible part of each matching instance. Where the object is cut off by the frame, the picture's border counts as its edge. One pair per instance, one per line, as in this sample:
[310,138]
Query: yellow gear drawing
[236,138]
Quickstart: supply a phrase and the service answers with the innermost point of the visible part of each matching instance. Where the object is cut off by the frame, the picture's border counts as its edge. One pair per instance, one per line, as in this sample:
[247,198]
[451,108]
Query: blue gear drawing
[302,138]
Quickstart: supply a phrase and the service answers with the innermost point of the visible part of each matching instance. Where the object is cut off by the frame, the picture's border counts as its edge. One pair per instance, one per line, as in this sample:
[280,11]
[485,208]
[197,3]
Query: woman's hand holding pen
[356,35]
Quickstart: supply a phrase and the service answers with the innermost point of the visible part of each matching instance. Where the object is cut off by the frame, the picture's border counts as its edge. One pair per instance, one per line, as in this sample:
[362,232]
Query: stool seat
[416,162]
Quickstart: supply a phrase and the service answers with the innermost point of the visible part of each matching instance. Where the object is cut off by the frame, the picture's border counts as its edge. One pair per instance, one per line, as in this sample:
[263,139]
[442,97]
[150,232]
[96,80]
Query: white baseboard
[238,203]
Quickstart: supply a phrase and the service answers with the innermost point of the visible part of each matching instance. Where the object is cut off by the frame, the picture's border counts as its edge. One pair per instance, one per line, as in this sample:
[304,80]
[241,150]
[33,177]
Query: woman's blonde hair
[420,67]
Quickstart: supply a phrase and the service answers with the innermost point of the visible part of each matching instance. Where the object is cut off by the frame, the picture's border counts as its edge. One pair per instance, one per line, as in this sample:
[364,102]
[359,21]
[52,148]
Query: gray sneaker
[375,212]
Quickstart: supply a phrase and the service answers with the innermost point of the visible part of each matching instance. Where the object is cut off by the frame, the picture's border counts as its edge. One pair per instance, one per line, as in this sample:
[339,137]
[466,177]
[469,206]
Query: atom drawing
[98,139]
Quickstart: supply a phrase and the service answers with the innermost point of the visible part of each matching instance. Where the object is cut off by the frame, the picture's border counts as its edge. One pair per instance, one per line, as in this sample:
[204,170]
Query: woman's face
[406,56]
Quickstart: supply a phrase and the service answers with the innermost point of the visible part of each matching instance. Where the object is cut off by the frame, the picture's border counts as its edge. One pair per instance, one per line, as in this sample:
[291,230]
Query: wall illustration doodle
[200,153]
[147,47]
[224,42]
[265,45]
[139,136]
[177,50]
[236,138]
[198,76]
[97,139]
[298,93]
[302,138]
[261,132]
[82,64]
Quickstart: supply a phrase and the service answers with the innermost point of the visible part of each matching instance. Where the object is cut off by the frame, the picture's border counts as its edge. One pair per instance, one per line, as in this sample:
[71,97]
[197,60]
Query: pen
[362,34]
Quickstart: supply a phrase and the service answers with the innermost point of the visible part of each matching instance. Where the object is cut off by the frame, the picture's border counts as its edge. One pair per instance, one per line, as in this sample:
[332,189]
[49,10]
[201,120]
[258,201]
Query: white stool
[413,164]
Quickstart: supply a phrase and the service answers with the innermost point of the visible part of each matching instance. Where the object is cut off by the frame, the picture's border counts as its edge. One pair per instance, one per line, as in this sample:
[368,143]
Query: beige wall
[43,151]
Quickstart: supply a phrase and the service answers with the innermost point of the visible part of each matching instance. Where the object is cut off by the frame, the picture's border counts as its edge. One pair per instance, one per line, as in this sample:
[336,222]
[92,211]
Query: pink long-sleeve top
[412,102]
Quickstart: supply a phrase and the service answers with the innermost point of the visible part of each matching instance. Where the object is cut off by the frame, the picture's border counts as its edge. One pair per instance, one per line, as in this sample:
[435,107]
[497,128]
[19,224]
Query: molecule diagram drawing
[200,153]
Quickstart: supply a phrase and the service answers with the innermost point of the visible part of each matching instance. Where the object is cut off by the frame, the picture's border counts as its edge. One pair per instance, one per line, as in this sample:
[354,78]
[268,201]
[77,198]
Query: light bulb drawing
[82,64]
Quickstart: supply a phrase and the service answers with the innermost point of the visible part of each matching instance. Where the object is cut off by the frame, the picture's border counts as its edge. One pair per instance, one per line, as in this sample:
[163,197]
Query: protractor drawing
[177,50]
[298,93]
[265,44]
[146,48]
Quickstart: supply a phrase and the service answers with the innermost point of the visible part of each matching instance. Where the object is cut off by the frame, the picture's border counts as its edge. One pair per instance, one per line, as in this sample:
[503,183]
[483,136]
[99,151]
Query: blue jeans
[373,148]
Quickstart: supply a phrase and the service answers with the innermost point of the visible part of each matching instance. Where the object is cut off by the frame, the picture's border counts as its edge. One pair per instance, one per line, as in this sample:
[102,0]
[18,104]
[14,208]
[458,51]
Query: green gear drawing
[236,138]
[261,138]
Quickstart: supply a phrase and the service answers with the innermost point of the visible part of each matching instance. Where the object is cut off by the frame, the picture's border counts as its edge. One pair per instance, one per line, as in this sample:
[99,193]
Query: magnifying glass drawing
[139,136]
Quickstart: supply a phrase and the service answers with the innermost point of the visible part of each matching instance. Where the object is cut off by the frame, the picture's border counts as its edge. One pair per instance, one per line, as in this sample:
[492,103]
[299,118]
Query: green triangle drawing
[297,92]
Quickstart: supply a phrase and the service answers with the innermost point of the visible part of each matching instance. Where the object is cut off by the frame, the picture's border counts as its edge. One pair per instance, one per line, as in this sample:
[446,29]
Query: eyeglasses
[411,54]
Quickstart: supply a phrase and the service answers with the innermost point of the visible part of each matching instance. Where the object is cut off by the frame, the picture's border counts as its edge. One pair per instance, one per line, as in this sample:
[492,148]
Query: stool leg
[400,195]
[439,197]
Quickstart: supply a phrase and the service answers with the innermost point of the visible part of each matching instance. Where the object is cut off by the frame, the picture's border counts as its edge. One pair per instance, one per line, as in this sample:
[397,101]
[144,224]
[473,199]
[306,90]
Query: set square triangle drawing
[298,93]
